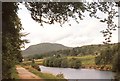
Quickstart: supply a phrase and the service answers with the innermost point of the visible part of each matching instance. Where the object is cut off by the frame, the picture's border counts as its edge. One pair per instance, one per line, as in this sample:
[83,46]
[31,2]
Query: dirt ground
[25,74]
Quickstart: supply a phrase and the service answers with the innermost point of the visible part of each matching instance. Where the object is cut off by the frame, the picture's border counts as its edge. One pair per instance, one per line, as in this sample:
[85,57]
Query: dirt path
[25,74]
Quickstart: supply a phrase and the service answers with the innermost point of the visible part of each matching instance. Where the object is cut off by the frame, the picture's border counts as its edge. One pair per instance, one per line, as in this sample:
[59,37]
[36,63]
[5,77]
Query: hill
[77,51]
[91,49]
[43,48]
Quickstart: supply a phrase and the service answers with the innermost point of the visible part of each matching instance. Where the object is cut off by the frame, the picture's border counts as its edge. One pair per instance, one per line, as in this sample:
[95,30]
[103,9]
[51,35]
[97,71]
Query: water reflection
[80,74]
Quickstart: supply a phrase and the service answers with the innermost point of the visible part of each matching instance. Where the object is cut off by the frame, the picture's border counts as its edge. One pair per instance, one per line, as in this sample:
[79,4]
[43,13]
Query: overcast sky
[85,33]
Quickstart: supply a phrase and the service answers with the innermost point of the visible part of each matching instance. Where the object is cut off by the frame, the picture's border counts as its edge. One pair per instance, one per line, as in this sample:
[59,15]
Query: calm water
[70,73]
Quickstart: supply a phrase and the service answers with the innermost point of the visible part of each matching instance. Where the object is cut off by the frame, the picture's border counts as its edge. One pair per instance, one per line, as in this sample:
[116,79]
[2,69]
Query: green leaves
[62,62]
[11,38]
[61,12]
[52,12]
[108,55]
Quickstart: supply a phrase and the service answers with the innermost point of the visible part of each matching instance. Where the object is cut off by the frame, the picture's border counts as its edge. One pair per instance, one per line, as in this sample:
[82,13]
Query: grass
[45,76]
[14,73]
[86,60]
[39,62]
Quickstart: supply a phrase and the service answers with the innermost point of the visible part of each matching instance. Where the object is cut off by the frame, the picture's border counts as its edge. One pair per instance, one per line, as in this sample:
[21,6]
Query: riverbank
[87,62]
[25,74]
[98,67]
[14,74]
[71,73]
[94,69]
[44,76]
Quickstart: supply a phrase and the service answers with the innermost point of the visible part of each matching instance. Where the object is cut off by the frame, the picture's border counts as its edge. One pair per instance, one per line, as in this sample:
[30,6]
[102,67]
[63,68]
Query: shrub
[60,75]
[62,62]
[36,66]
[74,63]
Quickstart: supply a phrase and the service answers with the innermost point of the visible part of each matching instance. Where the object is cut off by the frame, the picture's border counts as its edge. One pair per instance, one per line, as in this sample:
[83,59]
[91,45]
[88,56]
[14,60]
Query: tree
[11,38]
[52,12]
[74,63]
[61,12]
[106,56]
[64,63]
[116,60]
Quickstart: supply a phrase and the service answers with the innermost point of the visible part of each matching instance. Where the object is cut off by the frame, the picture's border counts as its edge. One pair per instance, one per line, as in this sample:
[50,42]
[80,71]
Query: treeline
[105,55]
[77,51]
[58,61]
[111,56]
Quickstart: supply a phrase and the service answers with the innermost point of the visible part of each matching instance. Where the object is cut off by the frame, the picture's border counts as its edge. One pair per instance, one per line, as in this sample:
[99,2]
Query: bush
[74,63]
[35,66]
[116,63]
[62,62]
[60,76]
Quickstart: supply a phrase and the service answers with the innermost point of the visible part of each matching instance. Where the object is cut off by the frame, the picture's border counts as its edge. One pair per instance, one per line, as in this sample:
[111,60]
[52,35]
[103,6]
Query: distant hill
[77,51]
[43,48]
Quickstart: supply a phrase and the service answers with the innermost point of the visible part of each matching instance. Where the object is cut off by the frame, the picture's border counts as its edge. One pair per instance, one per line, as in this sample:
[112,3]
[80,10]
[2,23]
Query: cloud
[85,33]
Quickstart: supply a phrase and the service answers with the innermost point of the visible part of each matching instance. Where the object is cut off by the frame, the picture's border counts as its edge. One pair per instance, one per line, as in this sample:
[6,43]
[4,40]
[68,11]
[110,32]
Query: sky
[87,32]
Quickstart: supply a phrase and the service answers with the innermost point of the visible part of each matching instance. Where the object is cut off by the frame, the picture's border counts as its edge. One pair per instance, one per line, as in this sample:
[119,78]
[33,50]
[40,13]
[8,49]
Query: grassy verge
[14,73]
[45,76]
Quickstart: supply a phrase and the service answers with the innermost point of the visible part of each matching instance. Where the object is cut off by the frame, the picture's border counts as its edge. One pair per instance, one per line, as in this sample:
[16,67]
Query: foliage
[85,60]
[105,57]
[33,60]
[11,38]
[51,12]
[77,51]
[45,76]
[62,62]
[36,66]
[60,76]
[74,63]
[116,59]
[61,12]
[110,56]
[14,74]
